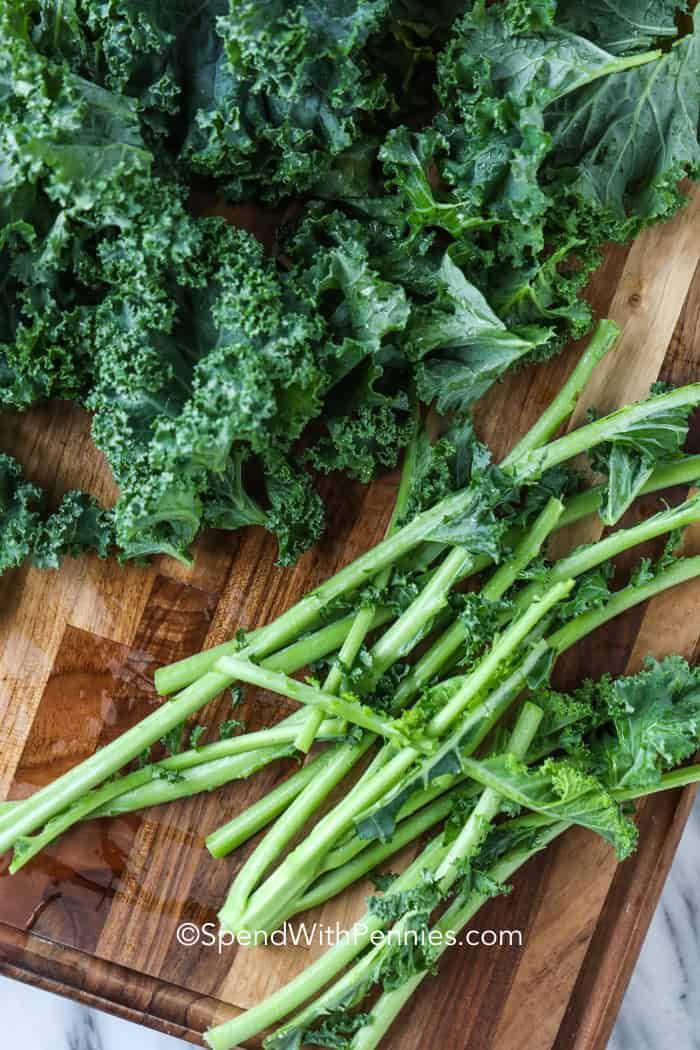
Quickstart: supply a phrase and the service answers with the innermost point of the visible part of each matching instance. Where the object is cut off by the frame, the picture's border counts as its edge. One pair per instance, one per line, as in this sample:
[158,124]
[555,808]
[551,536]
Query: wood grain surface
[95,916]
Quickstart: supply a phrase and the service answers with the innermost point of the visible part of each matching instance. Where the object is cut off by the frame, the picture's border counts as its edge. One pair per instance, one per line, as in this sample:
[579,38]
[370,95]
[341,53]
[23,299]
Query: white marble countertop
[661,1008]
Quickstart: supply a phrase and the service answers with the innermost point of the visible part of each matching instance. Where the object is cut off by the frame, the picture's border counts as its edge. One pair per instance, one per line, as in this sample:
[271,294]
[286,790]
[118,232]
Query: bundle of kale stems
[444,176]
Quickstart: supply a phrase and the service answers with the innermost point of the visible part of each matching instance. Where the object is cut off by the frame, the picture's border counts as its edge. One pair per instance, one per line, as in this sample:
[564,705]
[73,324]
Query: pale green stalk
[534,463]
[683,569]
[304,805]
[346,707]
[363,622]
[507,644]
[303,864]
[328,639]
[444,862]
[564,403]
[390,1003]
[585,558]
[443,649]
[318,973]
[247,823]
[149,789]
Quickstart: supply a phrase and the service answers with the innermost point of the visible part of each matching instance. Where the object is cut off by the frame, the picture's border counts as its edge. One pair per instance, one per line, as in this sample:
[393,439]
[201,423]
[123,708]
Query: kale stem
[314,977]
[142,788]
[303,864]
[443,649]
[503,648]
[305,650]
[536,462]
[487,808]
[526,467]
[401,636]
[247,823]
[449,926]
[317,790]
[363,622]
[366,858]
[677,778]
[683,569]
[588,557]
[564,403]
[468,734]
[240,669]
[443,861]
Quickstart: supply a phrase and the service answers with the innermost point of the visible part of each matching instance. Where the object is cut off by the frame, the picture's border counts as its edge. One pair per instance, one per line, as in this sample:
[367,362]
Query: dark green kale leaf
[227,503]
[620,145]
[409,159]
[295,515]
[444,465]
[19,515]
[481,619]
[281,92]
[461,343]
[620,26]
[564,145]
[335,1032]
[68,145]
[79,524]
[365,403]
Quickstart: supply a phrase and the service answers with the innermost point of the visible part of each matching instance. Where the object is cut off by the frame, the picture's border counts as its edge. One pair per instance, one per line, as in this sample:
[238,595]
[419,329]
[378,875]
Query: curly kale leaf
[336,1031]
[79,524]
[365,404]
[560,790]
[567,719]
[227,503]
[203,356]
[409,160]
[19,515]
[296,514]
[288,48]
[563,144]
[591,592]
[481,619]
[654,723]
[69,146]
[444,465]
[282,91]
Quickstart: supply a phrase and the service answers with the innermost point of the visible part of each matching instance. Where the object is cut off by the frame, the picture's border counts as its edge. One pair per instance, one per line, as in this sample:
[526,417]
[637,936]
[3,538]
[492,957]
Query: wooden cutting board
[95,917]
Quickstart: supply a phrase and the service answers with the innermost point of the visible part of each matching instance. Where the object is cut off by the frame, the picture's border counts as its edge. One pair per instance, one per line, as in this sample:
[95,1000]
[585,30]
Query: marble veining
[661,1010]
